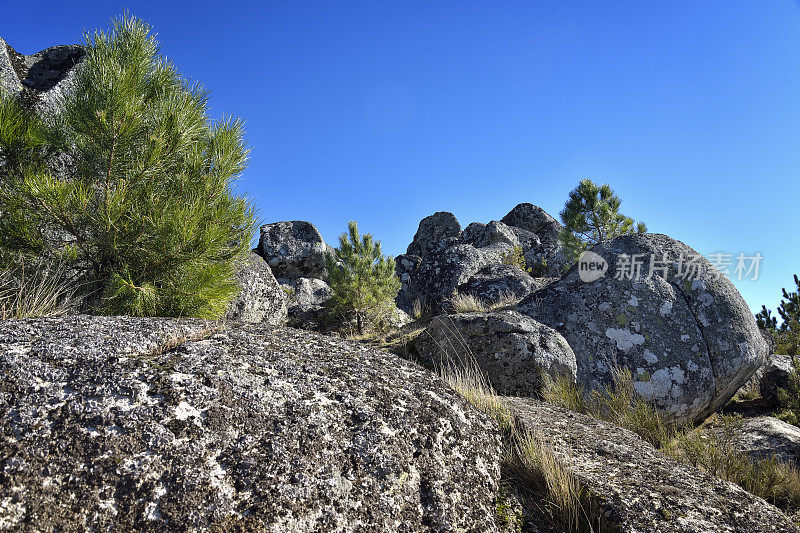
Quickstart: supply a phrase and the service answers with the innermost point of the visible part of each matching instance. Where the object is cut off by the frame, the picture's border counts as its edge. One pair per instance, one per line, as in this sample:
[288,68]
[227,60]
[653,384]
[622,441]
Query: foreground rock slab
[636,487]
[114,423]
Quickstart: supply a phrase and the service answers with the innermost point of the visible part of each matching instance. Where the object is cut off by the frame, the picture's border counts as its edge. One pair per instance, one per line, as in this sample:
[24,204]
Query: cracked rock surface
[163,424]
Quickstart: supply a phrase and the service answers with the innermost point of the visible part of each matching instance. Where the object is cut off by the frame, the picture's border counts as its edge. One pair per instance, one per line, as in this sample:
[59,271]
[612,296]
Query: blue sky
[386,112]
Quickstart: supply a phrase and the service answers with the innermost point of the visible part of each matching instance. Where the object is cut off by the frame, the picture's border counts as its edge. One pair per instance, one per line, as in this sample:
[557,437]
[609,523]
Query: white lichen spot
[625,339]
[184,410]
[666,308]
[698,284]
[692,366]
[650,357]
[634,301]
[662,383]
[685,338]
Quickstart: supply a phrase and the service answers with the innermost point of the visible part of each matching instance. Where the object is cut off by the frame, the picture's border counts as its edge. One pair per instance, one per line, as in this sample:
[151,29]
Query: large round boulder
[260,298]
[513,351]
[123,424]
[433,230]
[660,310]
[294,249]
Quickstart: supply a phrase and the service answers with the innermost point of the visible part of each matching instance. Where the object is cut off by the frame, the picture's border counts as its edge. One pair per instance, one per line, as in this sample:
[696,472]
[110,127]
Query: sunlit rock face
[684,332]
[120,423]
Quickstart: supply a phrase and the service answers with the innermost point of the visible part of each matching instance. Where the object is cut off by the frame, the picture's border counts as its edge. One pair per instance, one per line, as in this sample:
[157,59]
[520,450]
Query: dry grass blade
[41,291]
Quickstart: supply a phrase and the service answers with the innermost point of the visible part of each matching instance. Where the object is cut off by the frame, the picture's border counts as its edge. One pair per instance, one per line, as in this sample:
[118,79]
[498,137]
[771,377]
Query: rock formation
[163,424]
[512,350]
[260,298]
[690,343]
[635,487]
[443,260]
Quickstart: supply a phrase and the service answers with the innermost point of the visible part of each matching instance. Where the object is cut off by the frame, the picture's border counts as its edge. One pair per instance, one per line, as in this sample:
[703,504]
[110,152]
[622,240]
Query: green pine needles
[146,206]
[591,216]
[362,278]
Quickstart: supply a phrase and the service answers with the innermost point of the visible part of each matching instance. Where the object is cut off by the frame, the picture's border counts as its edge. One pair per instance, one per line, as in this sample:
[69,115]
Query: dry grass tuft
[711,448]
[39,291]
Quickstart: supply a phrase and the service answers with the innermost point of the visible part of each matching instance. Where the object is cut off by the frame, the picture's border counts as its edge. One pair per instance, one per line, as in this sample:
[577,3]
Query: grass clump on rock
[145,207]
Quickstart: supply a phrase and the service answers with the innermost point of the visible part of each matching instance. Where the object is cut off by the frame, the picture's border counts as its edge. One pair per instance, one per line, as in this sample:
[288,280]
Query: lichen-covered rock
[495,282]
[294,249]
[260,298]
[635,487]
[41,79]
[433,230]
[307,295]
[536,220]
[512,350]
[114,423]
[442,258]
[762,437]
[437,277]
[775,376]
[690,344]
[481,235]
[9,79]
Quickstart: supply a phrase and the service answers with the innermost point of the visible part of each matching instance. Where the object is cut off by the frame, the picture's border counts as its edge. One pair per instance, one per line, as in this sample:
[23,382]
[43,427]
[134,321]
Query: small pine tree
[765,320]
[787,335]
[362,278]
[148,203]
[591,216]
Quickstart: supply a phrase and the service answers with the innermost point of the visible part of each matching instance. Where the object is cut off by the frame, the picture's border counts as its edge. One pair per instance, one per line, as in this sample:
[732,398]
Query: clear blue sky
[386,112]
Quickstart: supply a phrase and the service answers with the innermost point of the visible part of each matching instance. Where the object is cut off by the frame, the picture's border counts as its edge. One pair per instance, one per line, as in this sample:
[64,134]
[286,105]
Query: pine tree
[362,278]
[591,216]
[148,204]
[765,320]
[787,335]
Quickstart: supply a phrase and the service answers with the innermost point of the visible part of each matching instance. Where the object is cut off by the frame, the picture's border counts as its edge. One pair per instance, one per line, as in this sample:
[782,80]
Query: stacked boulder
[668,317]
[295,251]
[443,260]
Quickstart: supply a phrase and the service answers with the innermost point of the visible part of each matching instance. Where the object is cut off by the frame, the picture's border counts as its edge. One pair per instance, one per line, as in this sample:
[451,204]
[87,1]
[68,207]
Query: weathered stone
[9,79]
[120,423]
[635,487]
[762,437]
[307,295]
[493,282]
[774,376]
[513,351]
[443,270]
[260,298]
[533,218]
[689,345]
[482,235]
[432,231]
[294,249]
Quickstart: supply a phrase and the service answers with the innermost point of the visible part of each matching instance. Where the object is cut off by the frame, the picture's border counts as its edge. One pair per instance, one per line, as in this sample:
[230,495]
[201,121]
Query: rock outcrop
[443,260]
[512,350]
[761,437]
[307,297]
[42,78]
[689,343]
[260,297]
[163,424]
[495,282]
[775,376]
[293,249]
[635,487]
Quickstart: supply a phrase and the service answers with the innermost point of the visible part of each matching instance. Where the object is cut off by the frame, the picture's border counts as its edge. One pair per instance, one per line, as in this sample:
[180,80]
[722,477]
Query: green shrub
[516,258]
[148,203]
[362,278]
